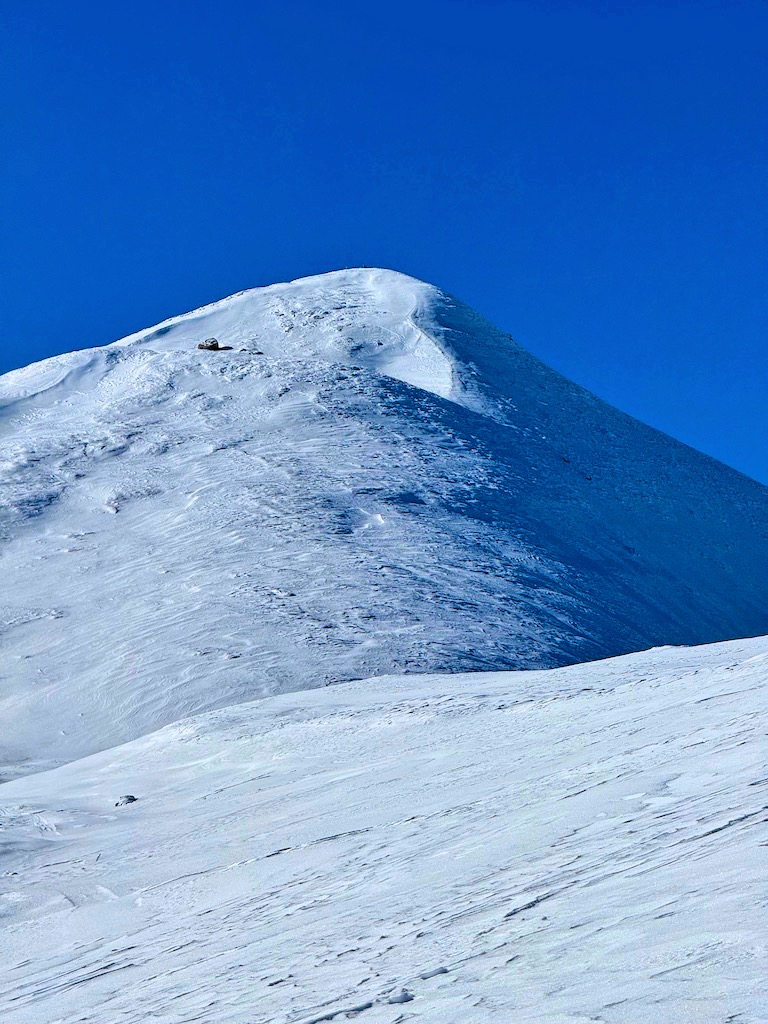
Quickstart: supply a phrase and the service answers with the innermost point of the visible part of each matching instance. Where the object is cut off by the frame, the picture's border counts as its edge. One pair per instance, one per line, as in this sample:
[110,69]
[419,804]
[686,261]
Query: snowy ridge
[367,317]
[373,479]
[583,844]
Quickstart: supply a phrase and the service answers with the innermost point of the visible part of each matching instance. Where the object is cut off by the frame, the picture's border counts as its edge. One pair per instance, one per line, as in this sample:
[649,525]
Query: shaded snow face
[371,479]
[586,844]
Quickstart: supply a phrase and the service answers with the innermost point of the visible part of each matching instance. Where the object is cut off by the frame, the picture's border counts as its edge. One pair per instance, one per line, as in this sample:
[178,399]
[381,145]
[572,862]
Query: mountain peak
[365,317]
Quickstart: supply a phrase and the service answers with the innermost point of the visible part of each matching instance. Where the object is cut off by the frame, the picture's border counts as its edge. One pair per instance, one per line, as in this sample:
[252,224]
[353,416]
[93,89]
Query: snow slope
[374,479]
[582,844]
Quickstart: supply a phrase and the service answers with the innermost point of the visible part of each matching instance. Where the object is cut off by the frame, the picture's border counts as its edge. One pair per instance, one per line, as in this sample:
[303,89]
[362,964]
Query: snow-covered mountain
[373,479]
[368,478]
[583,844]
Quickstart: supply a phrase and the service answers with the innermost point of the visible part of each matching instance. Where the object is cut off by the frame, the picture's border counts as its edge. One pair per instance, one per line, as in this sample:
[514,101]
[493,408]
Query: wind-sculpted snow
[584,844]
[373,479]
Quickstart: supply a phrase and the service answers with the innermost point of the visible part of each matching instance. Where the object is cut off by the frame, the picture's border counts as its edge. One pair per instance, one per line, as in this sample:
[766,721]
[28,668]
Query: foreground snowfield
[373,480]
[582,844]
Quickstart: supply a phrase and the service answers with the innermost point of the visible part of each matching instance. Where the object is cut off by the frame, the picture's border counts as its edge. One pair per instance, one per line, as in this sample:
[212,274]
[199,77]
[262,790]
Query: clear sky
[590,175]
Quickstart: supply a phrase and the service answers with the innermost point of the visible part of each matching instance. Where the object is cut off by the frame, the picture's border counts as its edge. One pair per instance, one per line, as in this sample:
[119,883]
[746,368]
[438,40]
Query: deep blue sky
[592,176]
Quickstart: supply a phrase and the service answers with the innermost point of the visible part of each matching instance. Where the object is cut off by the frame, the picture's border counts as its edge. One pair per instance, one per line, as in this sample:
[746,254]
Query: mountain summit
[365,477]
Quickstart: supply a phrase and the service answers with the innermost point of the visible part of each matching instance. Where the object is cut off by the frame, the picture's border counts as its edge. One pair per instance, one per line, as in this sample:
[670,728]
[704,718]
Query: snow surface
[393,485]
[583,844]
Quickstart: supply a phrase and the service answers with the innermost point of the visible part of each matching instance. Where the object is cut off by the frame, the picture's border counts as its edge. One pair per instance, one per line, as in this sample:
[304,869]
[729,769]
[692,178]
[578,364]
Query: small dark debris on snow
[129,798]
[402,997]
[433,973]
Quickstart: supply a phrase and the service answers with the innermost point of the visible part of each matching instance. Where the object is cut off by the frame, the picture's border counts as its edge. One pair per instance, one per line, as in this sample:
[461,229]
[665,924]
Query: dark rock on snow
[212,345]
